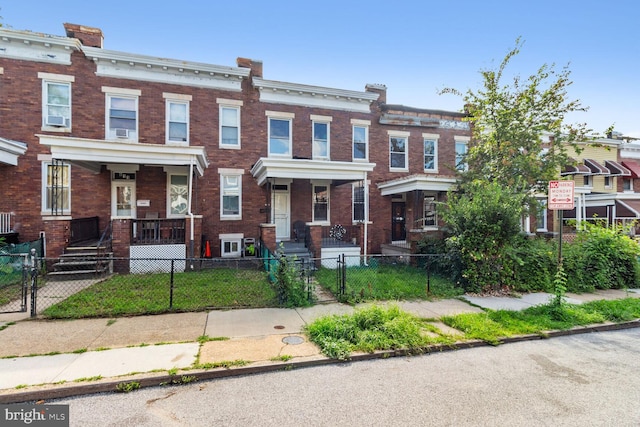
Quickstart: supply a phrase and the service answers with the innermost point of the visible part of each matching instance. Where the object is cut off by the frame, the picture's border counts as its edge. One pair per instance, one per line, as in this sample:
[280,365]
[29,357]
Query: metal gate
[18,282]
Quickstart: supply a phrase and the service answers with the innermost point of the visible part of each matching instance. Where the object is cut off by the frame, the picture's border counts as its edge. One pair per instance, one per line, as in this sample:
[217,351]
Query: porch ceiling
[93,153]
[310,169]
[416,182]
[11,150]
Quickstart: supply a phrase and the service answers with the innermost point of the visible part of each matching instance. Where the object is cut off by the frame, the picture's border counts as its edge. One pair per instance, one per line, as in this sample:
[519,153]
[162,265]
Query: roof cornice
[45,40]
[112,56]
[320,91]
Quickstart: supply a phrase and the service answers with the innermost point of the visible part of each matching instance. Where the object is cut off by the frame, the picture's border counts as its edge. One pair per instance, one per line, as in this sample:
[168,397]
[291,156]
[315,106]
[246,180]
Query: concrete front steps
[82,263]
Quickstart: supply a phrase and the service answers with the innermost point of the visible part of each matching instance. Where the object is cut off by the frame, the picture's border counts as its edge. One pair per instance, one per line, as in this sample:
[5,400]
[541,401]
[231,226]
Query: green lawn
[134,294]
[388,282]
[10,283]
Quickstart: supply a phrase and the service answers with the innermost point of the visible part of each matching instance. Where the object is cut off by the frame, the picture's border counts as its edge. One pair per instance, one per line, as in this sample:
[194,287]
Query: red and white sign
[560,195]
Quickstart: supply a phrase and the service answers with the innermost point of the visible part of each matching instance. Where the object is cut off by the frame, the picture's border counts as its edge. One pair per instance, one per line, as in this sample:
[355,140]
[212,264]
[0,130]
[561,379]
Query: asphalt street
[578,380]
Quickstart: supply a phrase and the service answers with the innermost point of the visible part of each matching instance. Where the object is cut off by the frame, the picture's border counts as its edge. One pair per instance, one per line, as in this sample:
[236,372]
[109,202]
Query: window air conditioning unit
[122,133]
[56,121]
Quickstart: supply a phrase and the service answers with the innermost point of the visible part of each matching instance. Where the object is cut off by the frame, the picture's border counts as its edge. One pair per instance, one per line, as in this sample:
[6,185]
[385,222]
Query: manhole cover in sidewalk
[278,327]
[293,340]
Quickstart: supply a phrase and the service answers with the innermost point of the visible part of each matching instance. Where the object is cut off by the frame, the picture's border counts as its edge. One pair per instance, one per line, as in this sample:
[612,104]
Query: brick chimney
[88,36]
[379,89]
[254,65]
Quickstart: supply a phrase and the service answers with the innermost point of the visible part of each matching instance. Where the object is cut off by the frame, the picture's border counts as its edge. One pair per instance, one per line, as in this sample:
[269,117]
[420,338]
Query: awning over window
[628,208]
[616,168]
[416,182]
[596,168]
[575,169]
[633,167]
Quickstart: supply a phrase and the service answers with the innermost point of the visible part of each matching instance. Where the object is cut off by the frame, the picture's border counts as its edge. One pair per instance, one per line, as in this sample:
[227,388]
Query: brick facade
[21,106]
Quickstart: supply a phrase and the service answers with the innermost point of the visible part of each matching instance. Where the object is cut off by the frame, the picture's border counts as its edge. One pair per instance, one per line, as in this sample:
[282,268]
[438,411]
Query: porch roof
[616,168]
[341,172]
[11,150]
[91,154]
[633,167]
[628,208]
[416,182]
[596,168]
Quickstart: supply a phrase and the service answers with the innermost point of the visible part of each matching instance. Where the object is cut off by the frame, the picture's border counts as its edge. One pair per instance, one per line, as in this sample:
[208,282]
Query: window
[230,194]
[56,101]
[461,152]
[358,203]
[230,127]
[398,150]
[607,182]
[122,113]
[360,142]
[587,181]
[178,195]
[231,244]
[280,134]
[430,153]
[429,213]
[541,217]
[320,137]
[627,184]
[56,188]
[177,121]
[320,203]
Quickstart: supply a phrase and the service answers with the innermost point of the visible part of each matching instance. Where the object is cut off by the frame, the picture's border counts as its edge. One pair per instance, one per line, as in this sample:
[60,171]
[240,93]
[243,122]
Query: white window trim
[112,92]
[542,228]
[399,134]
[354,187]
[176,98]
[431,137]
[363,124]
[323,183]
[175,172]
[276,115]
[321,120]
[234,106]
[429,227]
[59,79]
[630,189]
[589,183]
[46,162]
[461,140]
[228,172]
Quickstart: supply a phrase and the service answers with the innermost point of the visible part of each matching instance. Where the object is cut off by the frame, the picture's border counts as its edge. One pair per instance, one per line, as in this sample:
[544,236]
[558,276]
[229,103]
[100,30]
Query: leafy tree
[484,222]
[511,124]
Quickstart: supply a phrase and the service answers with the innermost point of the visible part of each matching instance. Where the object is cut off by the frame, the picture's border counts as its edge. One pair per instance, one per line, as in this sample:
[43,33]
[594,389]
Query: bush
[602,257]
[290,285]
[536,260]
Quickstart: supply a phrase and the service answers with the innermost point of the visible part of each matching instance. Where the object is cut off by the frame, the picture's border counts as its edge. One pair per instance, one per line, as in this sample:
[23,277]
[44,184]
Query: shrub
[535,259]
[290,285]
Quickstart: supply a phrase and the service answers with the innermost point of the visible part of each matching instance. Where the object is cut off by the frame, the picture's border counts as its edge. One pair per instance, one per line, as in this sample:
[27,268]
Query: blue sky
[415,47]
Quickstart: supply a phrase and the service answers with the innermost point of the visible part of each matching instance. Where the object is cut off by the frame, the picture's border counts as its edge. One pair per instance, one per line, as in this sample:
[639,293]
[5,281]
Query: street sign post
[561,194]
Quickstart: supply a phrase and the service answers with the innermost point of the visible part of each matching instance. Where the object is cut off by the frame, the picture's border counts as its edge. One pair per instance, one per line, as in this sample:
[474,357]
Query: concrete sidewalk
[83,352]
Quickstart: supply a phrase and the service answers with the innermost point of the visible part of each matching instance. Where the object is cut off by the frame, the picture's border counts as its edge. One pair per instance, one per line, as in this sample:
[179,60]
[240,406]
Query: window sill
[230,147]
[230,218]
[56,129]
[46,216]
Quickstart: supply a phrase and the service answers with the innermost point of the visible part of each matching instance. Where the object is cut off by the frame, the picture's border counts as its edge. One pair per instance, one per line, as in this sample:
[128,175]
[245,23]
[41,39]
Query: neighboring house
[604,174]
[167,157]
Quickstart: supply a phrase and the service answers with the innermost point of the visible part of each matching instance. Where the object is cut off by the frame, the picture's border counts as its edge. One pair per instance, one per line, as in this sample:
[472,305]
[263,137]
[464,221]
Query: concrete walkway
[42,355]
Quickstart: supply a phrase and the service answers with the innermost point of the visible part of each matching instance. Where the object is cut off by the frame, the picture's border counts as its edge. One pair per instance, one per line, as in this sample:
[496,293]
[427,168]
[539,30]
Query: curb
[151,380]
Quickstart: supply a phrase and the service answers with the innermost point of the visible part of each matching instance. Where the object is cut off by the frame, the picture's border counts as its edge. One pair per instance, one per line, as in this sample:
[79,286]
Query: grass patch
[282,358]
[369,329]
[133,294]
[223,364]
[388,282]
[206,338]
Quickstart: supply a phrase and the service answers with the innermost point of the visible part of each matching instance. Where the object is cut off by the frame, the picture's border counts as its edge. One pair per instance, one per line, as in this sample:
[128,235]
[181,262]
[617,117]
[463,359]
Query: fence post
[171,286]
[428,274]
[33,266]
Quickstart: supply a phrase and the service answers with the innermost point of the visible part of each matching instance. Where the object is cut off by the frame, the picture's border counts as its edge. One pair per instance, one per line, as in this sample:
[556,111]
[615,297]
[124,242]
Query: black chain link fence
[124,286]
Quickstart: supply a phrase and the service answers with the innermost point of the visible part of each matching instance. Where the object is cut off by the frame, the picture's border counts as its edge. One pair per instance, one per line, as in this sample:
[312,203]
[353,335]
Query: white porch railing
[5,222]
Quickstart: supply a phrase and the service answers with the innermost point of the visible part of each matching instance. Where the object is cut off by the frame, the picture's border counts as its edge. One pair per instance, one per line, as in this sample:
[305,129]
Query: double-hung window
[321,131]
[430,152]
[56,188]
[462,143]
[122,113]
[56,101]
[398,149]
[358,202]
[320,202]
[541,217]
[230,193]
[360,139]
[229,123]
[280,133]
[429,213]
[177,118]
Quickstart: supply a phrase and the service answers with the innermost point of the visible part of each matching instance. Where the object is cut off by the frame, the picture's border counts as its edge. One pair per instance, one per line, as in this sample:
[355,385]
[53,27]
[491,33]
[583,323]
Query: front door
[398,222]
[123,198]
[282,212]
